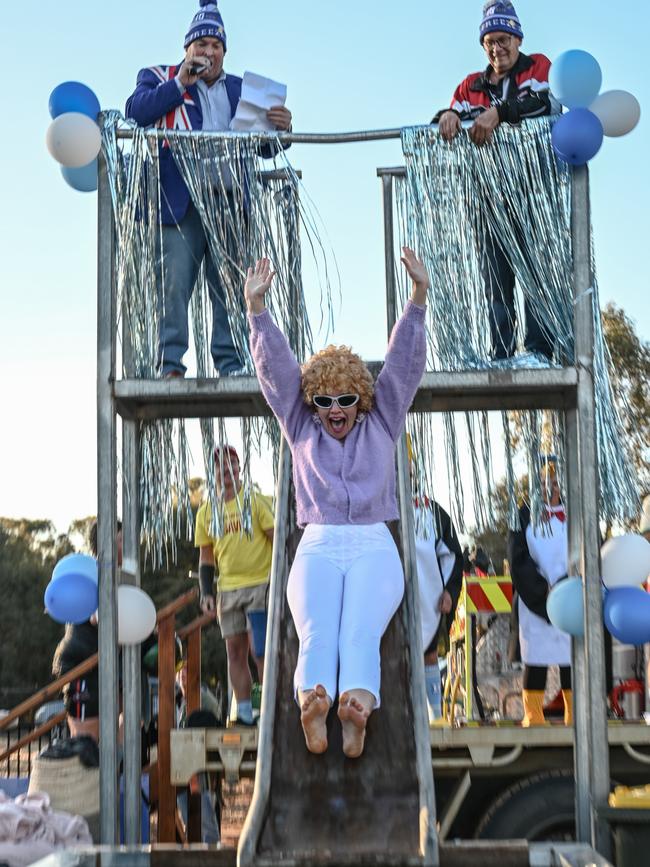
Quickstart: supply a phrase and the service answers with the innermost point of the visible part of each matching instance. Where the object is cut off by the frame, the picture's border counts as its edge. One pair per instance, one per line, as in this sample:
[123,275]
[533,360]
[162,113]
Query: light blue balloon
[72,596]
[73,96]
[575,78]
[565,607]
[83,179]
[627,614]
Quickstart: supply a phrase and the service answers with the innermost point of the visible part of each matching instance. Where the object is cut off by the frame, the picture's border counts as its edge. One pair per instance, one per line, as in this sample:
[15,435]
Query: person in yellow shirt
[243,565]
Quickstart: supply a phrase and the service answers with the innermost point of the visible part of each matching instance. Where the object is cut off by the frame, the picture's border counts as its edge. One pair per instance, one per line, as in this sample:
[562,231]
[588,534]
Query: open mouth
[337,424]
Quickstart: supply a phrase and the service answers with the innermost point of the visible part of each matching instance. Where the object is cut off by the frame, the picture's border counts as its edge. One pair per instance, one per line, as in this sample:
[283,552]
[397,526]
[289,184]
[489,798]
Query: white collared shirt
[215,104]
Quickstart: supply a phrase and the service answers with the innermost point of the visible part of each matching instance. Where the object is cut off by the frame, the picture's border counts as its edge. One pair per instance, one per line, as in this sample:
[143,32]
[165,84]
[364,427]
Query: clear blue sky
[348,65]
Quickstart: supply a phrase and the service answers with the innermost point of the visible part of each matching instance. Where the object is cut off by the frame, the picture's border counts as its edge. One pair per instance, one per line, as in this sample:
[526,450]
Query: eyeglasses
[501,42]
[325,401]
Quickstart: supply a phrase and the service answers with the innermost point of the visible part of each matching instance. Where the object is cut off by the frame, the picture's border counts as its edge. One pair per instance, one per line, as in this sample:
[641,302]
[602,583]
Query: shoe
[240,722]
[174,374]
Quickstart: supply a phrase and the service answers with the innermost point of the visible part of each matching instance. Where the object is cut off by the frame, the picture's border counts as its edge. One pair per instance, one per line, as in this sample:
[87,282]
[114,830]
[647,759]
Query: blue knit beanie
[206,22]
[500,16]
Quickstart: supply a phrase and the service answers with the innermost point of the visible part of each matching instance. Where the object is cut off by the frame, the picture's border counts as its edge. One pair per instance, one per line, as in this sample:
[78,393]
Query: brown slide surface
[328,809]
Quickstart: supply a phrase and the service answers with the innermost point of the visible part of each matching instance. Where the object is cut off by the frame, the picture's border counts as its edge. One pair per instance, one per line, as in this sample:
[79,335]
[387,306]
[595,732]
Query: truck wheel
[539,807]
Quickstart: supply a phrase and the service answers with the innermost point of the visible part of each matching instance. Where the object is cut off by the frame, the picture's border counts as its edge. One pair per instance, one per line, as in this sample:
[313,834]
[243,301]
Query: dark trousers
[184,247]
[499,279]
[535,677]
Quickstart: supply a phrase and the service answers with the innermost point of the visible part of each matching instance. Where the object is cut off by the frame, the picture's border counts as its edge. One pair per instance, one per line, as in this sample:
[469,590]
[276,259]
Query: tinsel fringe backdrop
[518,191]
[450,195]
[267,218]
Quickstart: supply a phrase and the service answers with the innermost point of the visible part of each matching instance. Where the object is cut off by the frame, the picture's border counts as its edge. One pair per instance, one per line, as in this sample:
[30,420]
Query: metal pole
[594,638]
[106,513]
[389,252]
[250,835]
[581,754]
[428,835]
[132,688]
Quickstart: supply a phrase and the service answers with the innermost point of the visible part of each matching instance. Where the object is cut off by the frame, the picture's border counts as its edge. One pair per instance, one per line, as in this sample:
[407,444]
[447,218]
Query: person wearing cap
[512,88]
[196,94]
[346,581]
[538,559]
[243,565]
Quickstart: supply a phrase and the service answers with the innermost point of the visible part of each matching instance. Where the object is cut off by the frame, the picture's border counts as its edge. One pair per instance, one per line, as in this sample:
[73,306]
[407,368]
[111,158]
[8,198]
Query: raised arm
[277,369]
[406,355]
[153,98]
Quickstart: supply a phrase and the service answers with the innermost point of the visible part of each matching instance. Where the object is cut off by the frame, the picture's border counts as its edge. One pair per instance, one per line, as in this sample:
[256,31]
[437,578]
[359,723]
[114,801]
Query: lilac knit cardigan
[350,481]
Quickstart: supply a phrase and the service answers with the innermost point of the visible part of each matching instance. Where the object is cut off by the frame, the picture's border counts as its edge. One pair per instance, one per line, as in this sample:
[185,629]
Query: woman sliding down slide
[346,581]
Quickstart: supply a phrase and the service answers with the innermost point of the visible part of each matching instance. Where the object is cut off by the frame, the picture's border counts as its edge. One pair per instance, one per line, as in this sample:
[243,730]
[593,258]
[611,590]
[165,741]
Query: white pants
[345,584]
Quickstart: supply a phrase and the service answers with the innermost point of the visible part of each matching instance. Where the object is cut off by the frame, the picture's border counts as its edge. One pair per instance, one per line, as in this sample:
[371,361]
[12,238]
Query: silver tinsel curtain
[267,218]
[516,190]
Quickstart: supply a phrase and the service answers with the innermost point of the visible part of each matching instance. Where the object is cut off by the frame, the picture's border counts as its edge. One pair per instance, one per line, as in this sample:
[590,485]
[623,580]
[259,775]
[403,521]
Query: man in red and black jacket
[513,87]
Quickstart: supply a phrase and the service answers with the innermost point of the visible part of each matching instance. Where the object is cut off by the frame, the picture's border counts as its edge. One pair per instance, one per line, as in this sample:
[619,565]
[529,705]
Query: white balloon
[73,139]
[625,561]
[618,111]
[136,614]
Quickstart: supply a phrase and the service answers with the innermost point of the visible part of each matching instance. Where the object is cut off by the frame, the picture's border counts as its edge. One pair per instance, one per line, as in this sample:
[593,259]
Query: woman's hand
[257,283]
[418,274]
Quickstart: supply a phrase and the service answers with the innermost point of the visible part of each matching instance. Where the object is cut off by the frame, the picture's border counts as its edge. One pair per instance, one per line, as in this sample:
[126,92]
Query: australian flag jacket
[523,93]
[157,101]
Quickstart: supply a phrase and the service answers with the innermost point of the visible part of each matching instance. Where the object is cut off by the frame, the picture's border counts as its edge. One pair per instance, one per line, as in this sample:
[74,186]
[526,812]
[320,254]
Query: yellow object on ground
[635,797]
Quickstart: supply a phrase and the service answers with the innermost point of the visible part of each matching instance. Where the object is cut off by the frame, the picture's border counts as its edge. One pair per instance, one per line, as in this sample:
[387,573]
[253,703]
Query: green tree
[494,539]
[630,376]
[29,549]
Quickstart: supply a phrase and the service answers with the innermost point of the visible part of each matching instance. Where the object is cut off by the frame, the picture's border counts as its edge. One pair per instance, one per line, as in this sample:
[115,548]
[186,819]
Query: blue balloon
[627,614]
[83,179]
[73,96]
[71,596]
[577,136]
[565,606]
[575,78]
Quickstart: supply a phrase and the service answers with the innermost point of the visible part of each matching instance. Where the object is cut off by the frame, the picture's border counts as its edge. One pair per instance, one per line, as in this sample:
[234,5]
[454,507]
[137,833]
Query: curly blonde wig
[337,370]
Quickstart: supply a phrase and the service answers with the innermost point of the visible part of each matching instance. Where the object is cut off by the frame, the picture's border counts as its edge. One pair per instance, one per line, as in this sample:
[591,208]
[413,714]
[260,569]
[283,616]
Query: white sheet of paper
[258,94]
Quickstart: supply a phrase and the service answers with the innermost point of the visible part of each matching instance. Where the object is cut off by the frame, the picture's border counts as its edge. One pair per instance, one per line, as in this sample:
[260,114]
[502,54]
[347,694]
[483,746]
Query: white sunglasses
[325,401]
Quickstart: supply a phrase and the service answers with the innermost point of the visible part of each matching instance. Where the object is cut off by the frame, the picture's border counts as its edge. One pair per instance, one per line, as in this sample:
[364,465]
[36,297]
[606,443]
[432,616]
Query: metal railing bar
[283,137]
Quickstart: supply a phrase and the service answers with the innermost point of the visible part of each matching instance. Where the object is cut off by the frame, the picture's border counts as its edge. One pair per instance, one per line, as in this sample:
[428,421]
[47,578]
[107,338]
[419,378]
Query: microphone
[198,65]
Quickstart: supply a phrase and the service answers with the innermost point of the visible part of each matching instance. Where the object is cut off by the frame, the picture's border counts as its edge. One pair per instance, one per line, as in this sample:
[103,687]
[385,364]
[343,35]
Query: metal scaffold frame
[570,390]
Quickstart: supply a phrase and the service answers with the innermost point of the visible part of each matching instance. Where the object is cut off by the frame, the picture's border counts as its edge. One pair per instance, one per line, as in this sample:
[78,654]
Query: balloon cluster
[73,138]
[625,567]
[575,80]
[72,597]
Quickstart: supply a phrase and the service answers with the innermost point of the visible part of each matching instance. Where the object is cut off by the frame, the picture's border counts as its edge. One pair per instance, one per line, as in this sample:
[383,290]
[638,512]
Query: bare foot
[313,717]
[353,716]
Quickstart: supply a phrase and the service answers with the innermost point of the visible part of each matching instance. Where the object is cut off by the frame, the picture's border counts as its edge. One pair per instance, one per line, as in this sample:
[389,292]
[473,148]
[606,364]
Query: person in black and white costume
[538,560]
[440,575]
